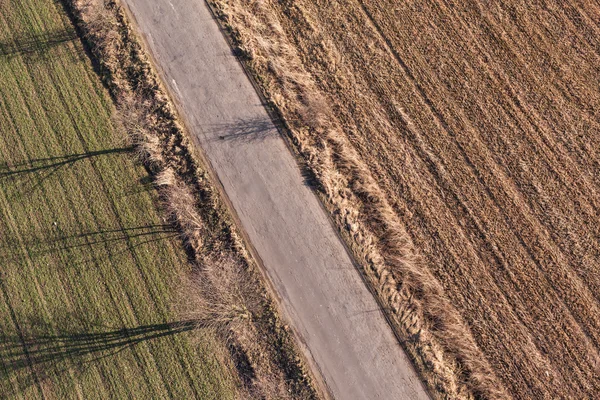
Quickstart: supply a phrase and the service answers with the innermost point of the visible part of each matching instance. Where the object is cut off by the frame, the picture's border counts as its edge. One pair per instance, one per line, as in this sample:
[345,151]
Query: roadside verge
[224,290]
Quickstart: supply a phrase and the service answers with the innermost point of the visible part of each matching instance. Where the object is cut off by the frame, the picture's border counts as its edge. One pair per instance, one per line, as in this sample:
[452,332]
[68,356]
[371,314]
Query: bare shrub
[135,118]
[100,27]
[166,177]
[214,296]
[180,205]
[313,111]
[265,388]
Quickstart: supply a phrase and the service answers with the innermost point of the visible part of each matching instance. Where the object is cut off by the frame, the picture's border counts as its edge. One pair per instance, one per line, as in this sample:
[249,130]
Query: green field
[89,269]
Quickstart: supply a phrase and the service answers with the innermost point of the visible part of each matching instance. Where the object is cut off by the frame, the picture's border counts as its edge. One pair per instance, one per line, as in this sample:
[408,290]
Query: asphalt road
[343,331]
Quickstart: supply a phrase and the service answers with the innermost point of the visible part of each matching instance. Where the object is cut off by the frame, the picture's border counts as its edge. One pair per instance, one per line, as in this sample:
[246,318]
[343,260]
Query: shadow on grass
[36,44]
[81,347]
[41,358]
[152,232]
[120,241]
[33,173]
[53,163]
[144,185]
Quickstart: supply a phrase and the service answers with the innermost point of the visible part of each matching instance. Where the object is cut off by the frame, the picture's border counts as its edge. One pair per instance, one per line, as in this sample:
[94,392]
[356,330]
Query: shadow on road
[256,130]
[244,130]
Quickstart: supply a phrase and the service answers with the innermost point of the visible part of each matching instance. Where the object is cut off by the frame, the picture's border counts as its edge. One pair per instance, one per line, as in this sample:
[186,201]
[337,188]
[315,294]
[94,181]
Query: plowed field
[471,130]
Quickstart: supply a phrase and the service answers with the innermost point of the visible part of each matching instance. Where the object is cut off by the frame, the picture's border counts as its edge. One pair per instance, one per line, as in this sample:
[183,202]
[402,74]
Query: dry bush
[213,296]
[100,29]
[180,204]
[134,119]
[313,111]
[166,177]
[100,23]
[265,388]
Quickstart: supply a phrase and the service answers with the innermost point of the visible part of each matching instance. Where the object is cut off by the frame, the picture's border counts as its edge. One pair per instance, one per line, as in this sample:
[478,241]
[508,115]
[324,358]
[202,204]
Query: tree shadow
[244,130]
[129,238]
[53,163]
[46,357]
[144,185]
[121,240]
[41,169]
[105,236]
[256,130]
[21,351]
[309,178]
[36,44]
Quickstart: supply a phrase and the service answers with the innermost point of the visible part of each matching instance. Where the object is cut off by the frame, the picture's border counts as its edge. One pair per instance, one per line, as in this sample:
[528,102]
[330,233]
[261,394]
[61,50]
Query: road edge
[305,354]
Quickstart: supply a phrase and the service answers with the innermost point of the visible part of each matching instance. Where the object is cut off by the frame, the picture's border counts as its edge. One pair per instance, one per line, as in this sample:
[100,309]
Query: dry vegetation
[456,146]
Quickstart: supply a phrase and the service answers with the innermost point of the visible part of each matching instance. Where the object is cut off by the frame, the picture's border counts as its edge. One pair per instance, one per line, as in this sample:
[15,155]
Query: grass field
[89,268]
[457,144]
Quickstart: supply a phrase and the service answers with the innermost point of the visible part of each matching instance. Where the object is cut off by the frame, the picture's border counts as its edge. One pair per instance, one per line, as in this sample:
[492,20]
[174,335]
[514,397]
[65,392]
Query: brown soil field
[456,145]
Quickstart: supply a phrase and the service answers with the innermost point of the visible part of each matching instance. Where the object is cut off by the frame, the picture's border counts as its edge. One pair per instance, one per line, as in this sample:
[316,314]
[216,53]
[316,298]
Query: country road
[343,332]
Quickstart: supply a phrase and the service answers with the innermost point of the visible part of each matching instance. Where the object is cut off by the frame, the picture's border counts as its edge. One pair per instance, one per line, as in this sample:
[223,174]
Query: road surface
[343,331]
